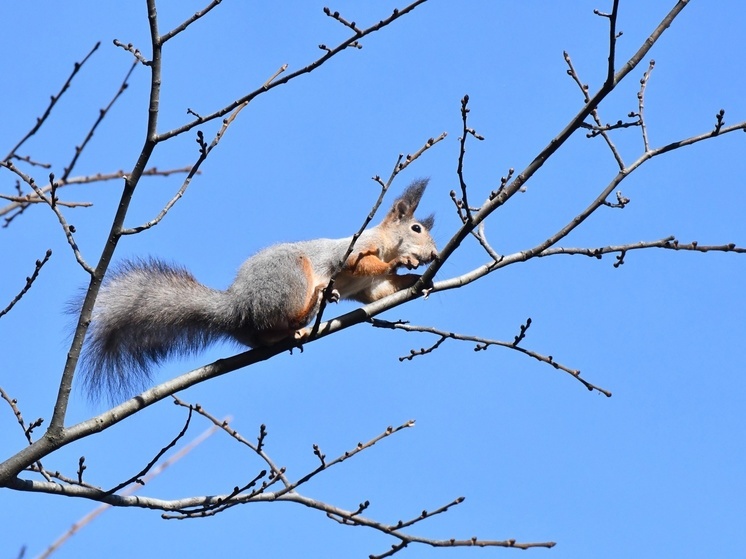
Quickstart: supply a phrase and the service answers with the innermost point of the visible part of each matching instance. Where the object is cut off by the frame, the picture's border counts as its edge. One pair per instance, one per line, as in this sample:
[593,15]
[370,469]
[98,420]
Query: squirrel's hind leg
[290,325]
[385,285]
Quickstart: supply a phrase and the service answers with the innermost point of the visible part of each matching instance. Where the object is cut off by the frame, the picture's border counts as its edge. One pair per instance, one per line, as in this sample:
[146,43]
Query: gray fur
[148,311]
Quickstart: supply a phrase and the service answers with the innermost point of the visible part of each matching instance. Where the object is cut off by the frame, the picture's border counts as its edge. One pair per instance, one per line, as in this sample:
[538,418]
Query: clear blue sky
[655,471]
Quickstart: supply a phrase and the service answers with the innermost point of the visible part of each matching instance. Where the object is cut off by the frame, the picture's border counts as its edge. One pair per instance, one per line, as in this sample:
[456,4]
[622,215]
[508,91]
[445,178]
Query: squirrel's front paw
[409,261]
[333,297]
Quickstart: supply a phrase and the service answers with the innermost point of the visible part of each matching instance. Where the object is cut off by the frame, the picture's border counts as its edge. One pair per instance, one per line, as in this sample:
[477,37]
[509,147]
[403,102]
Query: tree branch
[481,345]
[29,282]
[52,102]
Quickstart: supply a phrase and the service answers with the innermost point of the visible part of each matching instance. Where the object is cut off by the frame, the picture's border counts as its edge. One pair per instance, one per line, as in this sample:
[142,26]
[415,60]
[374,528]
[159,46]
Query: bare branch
[176,30]
[13,403]
[538,161]
[22,201]
[28,199]
[52,102]
[503,183]
[204,151]
[427,514]
[669,243]
[129,47]
[598,202]
[599,128]
[133,488]
[719,122]
[101,115]
[27,159]
[621,201]
[348,454]
[464,202]
[29,282]
[137,477]
[81,468]
[482,344]
[613,36]
[641,105]
[328,54]
[340,19]
[224,425]
[27,430]
[68,229]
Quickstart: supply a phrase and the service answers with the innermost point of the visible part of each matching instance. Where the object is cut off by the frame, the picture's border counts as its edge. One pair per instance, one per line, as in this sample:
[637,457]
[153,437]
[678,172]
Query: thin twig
[29,282]
[224,424]
[641,105]
[22,201]
[328,53]
[462,152]
[482,344]
[68,229]
[197,15]
[27,430]
[669,243]
[204,151]
[599,128]
[613,36]
[137,478]
[52,102]
[130,490]
[101,115]
[129,47]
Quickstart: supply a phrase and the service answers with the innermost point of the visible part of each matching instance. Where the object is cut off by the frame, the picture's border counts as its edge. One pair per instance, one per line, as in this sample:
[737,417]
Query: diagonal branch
[52,102]
[101,115]
[600,200]
[183,451]
[613,36]
[504,194]
[224,425]
[669,243]
[29,282]
[328,54]
[19,202]
[51,201]
[482,344]
[137,478]
[197,15]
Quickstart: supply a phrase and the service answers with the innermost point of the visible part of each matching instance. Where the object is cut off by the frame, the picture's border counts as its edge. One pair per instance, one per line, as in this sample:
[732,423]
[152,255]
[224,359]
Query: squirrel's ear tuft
[407,203]
[428,222]
[414,192]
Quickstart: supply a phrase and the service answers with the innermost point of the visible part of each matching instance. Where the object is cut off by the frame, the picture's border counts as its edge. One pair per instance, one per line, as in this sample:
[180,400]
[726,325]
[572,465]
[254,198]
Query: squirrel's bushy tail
[147,310]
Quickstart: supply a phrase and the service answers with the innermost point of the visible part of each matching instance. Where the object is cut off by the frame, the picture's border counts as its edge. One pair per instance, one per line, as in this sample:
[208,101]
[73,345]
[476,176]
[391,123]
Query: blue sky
[656,470]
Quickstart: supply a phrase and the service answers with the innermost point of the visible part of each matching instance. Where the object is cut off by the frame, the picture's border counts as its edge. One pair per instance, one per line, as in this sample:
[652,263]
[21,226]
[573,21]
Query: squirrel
[148,310]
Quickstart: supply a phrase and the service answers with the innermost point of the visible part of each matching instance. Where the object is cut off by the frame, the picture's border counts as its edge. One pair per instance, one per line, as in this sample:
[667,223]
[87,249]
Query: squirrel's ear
[407,203]
[428,222]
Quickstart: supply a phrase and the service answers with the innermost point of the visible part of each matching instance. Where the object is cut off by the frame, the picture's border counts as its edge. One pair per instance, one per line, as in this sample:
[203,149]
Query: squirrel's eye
[416,228]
